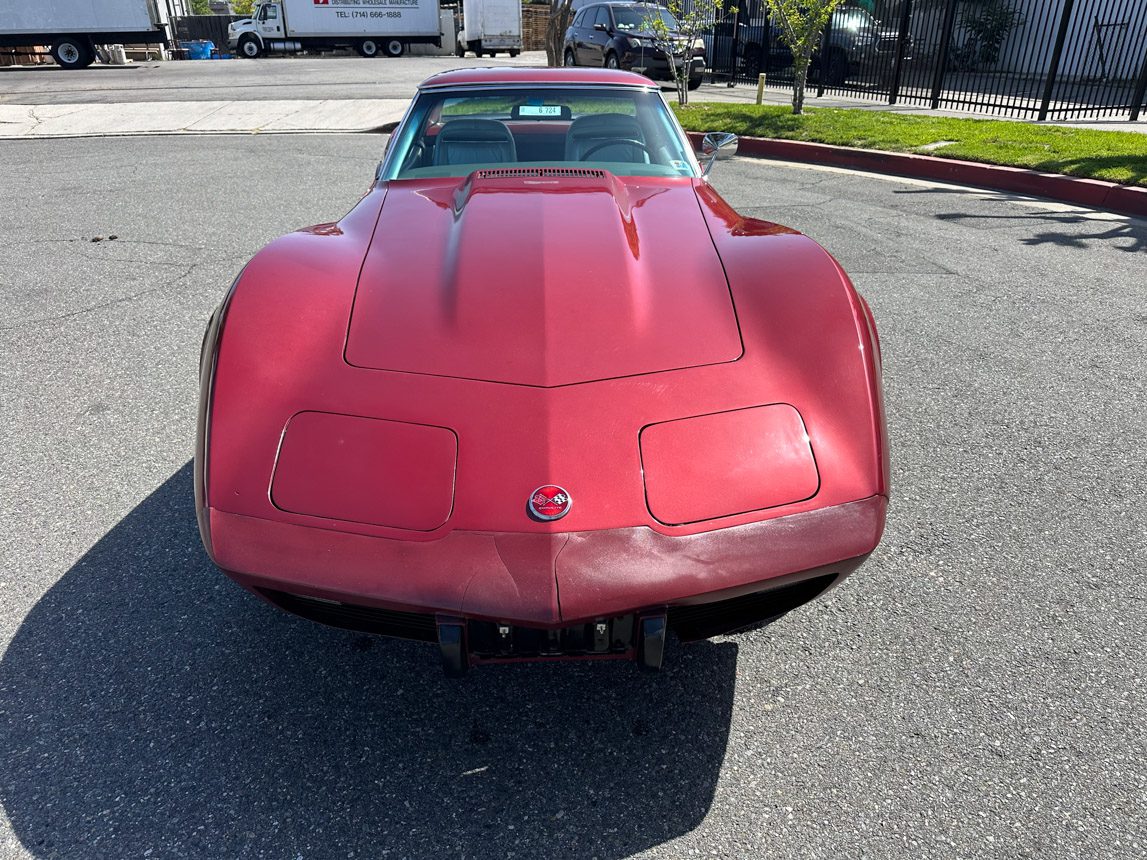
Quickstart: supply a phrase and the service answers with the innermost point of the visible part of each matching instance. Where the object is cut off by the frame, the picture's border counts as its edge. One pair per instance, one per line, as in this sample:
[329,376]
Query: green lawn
[1116,156]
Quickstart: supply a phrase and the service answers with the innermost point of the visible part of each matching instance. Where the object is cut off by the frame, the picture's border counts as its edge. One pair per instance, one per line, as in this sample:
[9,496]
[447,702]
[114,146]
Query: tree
[242,7]
[988,23]
[801,23]
[201,7]
[560,15]
[682,43]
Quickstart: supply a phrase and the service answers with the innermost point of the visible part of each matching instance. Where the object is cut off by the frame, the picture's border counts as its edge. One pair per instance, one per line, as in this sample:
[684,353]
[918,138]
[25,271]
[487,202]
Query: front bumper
[545,581]
[654,64]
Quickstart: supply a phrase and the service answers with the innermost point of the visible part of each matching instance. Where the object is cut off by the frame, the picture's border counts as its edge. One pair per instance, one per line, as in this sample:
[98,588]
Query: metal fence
[209,28]
[1043,59]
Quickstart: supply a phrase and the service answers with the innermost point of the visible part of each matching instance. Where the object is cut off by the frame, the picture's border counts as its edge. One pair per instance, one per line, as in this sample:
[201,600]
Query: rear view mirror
[717,144]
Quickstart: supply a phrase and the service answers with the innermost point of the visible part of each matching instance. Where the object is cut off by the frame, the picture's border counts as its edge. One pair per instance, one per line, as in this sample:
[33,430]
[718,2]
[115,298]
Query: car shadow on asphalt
[1121,233]
[149,707]
[1071,229]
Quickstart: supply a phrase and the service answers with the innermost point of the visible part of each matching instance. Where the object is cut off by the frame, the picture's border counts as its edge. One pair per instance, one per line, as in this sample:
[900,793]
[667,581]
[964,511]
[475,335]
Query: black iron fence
[1043,59]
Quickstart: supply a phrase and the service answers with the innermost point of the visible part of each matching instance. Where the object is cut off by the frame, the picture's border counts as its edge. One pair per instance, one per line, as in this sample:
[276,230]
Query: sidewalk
[354,115]
[208,117]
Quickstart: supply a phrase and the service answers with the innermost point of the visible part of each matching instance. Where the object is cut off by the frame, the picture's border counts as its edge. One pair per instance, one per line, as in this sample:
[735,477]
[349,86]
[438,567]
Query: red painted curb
[1093,193]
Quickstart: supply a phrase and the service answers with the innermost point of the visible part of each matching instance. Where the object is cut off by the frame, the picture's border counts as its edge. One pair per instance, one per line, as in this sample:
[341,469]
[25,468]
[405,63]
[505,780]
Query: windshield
[631,18]
[629,132]
[852,19]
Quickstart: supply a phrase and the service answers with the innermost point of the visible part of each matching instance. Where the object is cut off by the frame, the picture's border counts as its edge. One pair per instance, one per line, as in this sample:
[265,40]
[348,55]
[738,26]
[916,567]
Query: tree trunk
[551,59]
[800,77]
[556,31]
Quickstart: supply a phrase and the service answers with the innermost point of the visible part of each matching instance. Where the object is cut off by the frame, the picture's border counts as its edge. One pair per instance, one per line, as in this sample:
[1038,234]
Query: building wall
[1029,46]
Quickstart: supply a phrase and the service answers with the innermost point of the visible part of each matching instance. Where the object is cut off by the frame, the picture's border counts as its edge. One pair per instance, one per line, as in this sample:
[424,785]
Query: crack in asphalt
[200,250]
[103,305]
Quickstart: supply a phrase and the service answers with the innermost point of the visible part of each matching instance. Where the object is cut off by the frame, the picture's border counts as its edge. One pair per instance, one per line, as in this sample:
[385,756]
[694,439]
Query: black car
[617,36]
[856,42]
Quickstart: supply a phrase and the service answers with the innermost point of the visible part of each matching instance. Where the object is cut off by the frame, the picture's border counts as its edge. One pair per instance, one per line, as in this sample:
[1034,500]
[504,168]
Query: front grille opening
[703,620]
[616,636]
[489,640]
[538,172]
[364,619]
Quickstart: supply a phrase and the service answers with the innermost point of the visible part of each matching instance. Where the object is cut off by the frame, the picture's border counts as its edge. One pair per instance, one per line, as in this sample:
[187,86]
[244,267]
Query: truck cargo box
[360,17]
[36,17]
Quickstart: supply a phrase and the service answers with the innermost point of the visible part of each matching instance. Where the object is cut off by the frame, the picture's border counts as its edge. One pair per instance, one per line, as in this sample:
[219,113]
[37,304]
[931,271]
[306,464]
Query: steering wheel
[616,141]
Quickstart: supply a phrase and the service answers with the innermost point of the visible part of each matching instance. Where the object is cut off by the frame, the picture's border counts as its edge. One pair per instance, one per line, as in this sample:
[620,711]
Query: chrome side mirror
[717,144]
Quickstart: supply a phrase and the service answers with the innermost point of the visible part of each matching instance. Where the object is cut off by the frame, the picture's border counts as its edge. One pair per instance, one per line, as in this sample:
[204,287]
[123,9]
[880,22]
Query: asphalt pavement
[975,690]
[268,78]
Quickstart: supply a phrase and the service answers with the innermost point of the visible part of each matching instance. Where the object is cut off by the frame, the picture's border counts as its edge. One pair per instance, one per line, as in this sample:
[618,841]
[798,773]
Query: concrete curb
[1093,193]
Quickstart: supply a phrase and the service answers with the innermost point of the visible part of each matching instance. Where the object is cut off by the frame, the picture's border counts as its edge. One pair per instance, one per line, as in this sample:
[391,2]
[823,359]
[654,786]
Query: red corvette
[542,393]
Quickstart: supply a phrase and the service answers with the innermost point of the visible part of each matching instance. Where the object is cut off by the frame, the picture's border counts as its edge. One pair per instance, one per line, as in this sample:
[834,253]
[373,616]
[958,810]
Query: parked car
[857,43]
[618,36]
[542,393]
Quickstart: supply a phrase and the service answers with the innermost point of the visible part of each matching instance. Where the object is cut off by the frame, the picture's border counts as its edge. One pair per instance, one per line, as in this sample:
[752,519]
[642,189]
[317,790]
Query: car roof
[519,76]
[578,5]
[645,4]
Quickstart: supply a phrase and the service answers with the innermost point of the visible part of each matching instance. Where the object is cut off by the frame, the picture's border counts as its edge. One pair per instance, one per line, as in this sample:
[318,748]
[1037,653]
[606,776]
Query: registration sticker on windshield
[540,110]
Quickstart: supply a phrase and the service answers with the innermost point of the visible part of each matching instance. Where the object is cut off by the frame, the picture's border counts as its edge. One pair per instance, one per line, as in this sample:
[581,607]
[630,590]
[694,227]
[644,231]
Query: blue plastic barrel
[199,49]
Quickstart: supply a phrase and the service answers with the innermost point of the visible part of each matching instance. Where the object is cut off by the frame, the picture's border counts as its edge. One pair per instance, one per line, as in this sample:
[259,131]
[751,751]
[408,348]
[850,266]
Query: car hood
[649,35]
[543,278]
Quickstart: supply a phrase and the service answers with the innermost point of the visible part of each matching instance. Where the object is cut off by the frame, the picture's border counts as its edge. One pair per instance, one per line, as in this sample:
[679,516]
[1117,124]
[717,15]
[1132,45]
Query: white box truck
[490,26]
[371,27]
[74,27]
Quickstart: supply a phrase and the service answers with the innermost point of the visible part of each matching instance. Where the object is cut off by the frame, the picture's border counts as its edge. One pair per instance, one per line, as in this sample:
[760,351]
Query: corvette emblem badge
[549,503]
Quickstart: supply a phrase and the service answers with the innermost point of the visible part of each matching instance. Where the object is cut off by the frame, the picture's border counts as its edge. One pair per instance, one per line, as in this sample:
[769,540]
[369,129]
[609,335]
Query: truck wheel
[394,48]
[514,53]
[73,53]
[249,47]
[611,61]
[694,83]
[460,49]
[368,48]
[570,59]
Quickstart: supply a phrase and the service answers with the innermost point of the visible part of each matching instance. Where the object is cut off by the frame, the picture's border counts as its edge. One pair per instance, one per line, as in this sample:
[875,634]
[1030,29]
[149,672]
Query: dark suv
[616,36]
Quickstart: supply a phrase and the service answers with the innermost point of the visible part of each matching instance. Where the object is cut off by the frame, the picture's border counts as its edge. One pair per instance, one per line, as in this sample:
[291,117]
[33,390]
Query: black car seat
[474,141]
[593,134]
